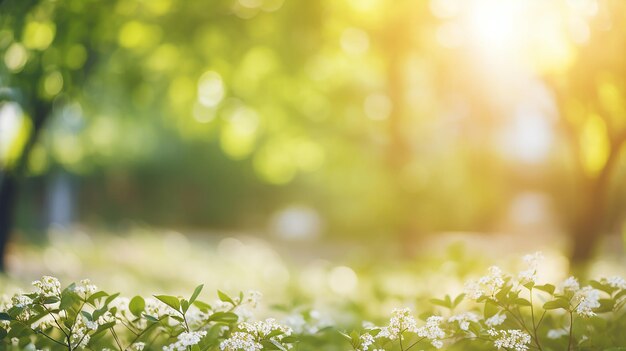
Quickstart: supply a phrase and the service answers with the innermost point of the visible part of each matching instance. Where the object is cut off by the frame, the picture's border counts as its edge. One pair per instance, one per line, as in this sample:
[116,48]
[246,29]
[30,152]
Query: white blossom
[513,339]
[401,321]
[366,341]
[240,341]
[22,301]
[184,340]
[432,331]
[570,284]
[464,319]
[487,285]
[586,299]
[48,286]
[532,264]
[495,320]
[85,288]
[616,282]
[557,333]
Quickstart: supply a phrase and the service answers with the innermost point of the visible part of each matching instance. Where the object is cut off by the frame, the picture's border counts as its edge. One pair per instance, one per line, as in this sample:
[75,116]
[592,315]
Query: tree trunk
[8,200]
[10,179]
[591,221]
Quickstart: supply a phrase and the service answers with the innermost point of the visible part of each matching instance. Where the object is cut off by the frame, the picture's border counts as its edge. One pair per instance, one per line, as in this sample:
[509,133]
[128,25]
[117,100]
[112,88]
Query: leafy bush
[502,311]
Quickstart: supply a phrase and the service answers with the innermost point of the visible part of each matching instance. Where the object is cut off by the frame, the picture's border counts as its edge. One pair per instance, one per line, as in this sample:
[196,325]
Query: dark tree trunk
[10,180]
[591,224]
[8,200]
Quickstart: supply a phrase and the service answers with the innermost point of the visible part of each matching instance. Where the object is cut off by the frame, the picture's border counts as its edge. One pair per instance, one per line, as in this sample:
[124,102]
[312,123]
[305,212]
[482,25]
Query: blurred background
[323,133]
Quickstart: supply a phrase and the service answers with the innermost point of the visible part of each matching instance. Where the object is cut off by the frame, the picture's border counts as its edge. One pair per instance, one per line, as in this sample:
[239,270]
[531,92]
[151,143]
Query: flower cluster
[487,285]
[432,331]
[48,286]
[512,339]
[401,321]
[185,340]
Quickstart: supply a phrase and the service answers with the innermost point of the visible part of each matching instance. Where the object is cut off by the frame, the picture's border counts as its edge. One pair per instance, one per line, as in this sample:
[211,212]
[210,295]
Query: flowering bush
[511,313]
[497,311]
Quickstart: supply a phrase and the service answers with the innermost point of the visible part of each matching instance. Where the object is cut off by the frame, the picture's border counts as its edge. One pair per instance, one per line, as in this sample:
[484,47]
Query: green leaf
[501,295]
[346,336]
[606,305]
[136,305]
[440,302]
[458,300]
[95,296]
[278,345]
[556,304]
[151,318]
[522,302]
[184,304]
[87,315]
[549,288]
[224,297]
[3,333]
[50,300]
[490,309]
[203,306]
[195,294]
[68,298]
[171,301]
[225,317]
[4,316]
[111,298]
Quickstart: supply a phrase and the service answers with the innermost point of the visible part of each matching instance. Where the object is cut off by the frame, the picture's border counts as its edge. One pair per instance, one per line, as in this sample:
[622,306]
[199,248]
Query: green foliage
[497,310]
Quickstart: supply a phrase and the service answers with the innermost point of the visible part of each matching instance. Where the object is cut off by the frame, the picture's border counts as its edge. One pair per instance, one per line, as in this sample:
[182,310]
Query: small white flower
[240,341]
[532,264]
[512,339]
[464,319]
[22,301]
[401,321]
[48,286]
[557,333]
[366,341]
[487,285]
[433,331]
[587,299]
[85,288]
[570,284]
[185,339]
[495,320]
[616,282]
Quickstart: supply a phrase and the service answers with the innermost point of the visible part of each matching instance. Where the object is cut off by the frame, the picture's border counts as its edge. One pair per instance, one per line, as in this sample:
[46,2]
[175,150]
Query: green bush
[506,312]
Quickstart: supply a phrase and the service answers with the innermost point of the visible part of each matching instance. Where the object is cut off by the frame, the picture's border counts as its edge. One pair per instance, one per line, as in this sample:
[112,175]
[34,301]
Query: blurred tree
[592,100]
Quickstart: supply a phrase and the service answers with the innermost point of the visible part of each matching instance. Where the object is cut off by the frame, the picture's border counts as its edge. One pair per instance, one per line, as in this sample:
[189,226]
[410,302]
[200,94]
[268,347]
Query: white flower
[366,341]
[433,331]
[48,286]
[157,308]
[532,263]
[570,284]
[557,333]
[85,288]
[487,285]
[252,298]
[185,339]
[138,346]
[616,282]
[464,319]
[22,301]
[262,329]
[401,321]
[587,299]
[512,339]
[495,320]
[240,341]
